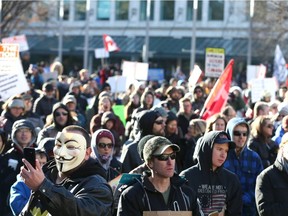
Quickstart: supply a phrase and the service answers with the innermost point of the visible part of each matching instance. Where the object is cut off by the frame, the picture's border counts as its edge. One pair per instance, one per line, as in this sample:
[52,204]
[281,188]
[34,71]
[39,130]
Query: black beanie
[146,122]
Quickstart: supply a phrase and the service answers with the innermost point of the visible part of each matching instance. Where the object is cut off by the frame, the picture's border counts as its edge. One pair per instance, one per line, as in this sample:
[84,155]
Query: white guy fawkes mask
[69,150]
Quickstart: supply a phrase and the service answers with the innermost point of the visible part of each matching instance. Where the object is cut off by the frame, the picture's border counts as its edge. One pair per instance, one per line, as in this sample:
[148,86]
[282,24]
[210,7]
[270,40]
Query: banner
[280,71]
[219,94]
[109,44]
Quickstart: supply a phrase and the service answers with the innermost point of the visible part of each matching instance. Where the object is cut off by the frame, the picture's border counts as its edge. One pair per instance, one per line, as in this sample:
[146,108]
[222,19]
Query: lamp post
[86,39]
[146,45]
[0,20]
[193,38]
[250,32]
[60,39]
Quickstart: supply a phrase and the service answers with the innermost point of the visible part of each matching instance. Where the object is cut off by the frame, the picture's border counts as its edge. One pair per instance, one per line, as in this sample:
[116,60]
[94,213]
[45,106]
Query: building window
[216,10]
[80,9]
[122,9]
[103,9]
[167,9]
[189,14]
[143,6]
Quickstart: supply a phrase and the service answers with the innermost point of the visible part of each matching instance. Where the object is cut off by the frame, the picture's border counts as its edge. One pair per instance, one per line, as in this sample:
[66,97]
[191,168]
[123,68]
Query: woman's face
[104,146]
[171,127]
[136,99]
[267,128]
[61,116]
[219,125]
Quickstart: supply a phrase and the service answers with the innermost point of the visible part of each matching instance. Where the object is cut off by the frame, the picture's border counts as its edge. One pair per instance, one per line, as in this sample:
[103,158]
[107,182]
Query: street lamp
[250,32]
[86,40]
[193,38]
[0,19]
[60,39]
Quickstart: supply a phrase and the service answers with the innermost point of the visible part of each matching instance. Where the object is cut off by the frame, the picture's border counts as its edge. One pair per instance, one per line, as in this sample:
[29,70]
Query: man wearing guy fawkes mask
[73,184]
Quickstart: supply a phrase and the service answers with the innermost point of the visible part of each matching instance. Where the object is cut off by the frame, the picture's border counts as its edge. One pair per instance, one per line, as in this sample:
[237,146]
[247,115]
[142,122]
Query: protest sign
[20,39]
[259,86]
[12,78]
[214,62]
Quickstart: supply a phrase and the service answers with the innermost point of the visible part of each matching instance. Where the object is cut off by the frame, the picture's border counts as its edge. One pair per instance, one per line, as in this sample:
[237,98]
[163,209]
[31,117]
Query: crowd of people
[166,157]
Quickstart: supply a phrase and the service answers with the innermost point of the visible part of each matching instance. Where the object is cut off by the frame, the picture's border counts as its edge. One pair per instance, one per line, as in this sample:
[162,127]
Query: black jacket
[271,191]
[221,184]
[142,196]
[85,192]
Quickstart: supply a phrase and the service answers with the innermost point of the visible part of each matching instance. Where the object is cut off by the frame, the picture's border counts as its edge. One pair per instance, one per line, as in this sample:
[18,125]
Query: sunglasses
[159,122]
[104,145]
[239,133]
[57,114]
[165,157]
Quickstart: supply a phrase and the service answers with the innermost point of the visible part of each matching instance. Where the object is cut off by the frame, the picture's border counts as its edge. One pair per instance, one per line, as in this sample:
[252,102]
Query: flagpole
[60,39]
[86,39]
[250,32]
[193,38]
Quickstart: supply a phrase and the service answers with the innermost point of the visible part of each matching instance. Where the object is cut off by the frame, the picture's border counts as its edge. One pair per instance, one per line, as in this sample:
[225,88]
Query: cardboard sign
[135,70]
[258,86]
[20,39]
[101,53]
[167,213]
[117,83]
[12,78]
[214,62]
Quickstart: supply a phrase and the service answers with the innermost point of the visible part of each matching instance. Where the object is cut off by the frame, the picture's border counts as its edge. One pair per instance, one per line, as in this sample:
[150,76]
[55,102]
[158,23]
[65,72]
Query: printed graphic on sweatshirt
[212,197]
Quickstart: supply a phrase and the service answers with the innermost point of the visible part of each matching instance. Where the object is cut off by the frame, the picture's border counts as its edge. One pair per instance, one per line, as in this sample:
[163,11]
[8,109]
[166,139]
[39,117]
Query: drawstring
[185,202]
[146,195]
[176,206]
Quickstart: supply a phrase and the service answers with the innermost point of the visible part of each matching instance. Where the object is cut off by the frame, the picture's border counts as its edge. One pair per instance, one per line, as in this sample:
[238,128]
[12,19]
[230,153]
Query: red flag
[219,94]
[110,44]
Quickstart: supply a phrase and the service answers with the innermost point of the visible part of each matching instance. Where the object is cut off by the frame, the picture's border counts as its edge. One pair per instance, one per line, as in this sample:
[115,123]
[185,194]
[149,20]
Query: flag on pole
[280,71]
[110,44]
[219,94]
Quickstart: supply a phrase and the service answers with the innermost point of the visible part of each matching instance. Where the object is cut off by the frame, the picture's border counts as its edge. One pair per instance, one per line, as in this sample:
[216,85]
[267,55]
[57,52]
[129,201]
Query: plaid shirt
[247,167]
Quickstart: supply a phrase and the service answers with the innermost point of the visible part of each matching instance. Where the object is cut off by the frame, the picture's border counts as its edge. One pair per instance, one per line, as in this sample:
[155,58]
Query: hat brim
[163,148]
[231,143]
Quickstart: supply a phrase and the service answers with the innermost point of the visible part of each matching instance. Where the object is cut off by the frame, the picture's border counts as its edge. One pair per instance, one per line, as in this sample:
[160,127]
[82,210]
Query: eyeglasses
[269,126]
[159,122]
[239,133]
[57,114]
[165,157]
[104,145]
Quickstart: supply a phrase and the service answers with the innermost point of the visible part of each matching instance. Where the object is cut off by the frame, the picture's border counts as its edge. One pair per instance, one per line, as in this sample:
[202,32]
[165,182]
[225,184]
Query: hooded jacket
[54,128]
[11,162]
[113,169]
[247,166]
[130,157]
[216,190]
[84,192]
[142,196]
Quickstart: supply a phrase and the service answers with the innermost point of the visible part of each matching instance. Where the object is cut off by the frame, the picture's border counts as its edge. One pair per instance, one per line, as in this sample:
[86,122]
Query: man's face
[219,154]
[240,134]
[187,106]
[163,168]
[16,111]
[23,136]
[158,127]
[69,150]
[105,105]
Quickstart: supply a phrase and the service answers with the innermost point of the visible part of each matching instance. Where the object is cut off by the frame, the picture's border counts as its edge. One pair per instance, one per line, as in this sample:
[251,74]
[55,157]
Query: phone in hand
[29,155]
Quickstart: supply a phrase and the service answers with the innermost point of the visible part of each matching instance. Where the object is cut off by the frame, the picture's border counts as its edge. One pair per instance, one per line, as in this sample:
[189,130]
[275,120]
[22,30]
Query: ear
[150,164]
[88,153]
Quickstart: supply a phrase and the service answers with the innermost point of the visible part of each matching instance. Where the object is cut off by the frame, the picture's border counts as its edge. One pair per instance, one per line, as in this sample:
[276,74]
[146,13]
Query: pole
[146,45]
[0,20]
[193,38]
[249,50]
[86,40]
[60,39]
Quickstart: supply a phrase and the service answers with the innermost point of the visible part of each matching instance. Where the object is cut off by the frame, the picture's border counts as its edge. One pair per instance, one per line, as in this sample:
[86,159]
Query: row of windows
[167,8]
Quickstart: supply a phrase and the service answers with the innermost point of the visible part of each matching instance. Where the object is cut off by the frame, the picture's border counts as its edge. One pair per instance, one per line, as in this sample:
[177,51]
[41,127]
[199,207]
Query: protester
[23,135]
[272,185]
[260,142]
[73,184]
[19,192]
[217,122]
[160,189]
[281,130]
[218,190]
[243,162]
[103,144]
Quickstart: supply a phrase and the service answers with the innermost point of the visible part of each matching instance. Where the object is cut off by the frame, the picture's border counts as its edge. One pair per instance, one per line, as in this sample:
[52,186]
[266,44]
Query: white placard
[214,62]
[12,78]
[135,70]
[20,39]
[195,75]
[255,72]
[117,83]
[259,86]
[101,53]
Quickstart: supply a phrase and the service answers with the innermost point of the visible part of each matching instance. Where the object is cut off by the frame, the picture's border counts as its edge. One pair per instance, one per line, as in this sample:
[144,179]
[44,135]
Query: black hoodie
[216,189]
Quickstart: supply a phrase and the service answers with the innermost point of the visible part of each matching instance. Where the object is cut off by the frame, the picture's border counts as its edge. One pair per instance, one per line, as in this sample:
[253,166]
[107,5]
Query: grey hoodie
[23,123]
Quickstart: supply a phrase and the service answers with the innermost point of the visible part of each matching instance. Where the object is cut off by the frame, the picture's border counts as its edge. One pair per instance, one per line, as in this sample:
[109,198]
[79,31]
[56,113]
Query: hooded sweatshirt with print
[247,165]
[217,190]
